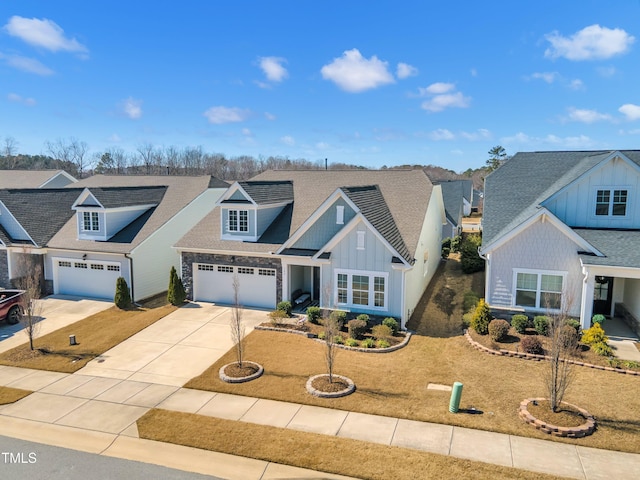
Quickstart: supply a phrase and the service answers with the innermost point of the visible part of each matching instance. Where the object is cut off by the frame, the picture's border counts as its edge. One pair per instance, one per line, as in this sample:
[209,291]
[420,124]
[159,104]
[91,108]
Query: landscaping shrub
[175,293]
[470,260]
[340,317]
[598,318]
[470,301]
[573,323]
[481,318]
[284,306]
[338,339]
[381,332]
[322,335]
[531,344]
[364,317]
[568,337]
[520,323]
[368,343]
[277,316]
[456,243]
[122,297]
[446,247]
[351,342]
[382,343]
[498,330]
[541,324]
[392,323]
[357,328]
[594,335]
[601,348]
[466,319]
[313,314]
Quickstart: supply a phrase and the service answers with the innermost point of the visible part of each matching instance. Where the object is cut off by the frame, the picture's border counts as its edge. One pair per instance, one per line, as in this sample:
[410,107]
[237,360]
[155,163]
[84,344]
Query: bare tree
[29,279]
[330,331]
[78,153]
[9,150]
[146,151]
[237,325]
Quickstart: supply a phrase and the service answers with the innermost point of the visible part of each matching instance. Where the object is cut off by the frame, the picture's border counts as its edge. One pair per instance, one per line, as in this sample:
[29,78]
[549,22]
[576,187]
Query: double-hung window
[363,289]
[539,290]
[238,220]
[611,202]
[90,222]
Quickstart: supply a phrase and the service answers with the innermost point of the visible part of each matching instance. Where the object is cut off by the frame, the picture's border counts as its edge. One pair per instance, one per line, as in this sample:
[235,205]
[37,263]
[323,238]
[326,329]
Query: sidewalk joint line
[453,431]
[395,427]
[511,450]
[584,472]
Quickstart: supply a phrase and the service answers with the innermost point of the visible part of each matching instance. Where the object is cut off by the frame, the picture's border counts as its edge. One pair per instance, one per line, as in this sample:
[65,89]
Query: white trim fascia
[324,206]
[359,217]
[82,197]
[58,173]
[545,215]
[19,224]
[233,189]
[611,270]
[224,252]
[27,249]
[591,171]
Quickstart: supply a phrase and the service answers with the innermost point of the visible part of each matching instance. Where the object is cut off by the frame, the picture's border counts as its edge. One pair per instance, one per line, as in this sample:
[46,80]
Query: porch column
[286,294]
[586,307]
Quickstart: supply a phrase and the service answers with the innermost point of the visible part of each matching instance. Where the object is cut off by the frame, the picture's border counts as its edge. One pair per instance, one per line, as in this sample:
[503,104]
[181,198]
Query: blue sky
[383,83]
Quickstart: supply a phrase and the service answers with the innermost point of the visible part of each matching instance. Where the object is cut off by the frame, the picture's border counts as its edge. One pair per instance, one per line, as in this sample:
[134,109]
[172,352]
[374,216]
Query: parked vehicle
[10,306]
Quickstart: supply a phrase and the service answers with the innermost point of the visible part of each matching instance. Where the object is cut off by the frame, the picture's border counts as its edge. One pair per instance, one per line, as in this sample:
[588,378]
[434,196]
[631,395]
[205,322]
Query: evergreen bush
[122,297]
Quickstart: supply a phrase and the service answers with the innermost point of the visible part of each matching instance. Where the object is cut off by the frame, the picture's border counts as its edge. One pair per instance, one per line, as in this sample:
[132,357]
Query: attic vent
[340,215]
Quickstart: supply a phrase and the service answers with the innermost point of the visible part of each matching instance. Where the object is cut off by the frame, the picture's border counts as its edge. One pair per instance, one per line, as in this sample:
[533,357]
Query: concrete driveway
[176,348]
[56,311]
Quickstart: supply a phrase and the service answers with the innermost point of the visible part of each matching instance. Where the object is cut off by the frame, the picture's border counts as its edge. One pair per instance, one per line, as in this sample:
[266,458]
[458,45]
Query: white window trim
[238,212]
[340,215]
[539,273]
[611,189]
[371,275]
[92,216]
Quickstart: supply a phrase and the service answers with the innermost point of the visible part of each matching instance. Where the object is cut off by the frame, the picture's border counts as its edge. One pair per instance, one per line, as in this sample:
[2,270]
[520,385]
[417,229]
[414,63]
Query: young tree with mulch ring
[30,274]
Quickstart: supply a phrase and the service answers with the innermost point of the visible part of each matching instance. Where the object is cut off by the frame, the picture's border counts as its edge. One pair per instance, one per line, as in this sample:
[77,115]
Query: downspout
[487,277]
[126,255]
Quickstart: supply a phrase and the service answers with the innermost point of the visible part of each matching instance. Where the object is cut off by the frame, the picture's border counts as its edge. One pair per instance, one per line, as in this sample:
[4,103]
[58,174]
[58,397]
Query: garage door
[214,283]
[86,278]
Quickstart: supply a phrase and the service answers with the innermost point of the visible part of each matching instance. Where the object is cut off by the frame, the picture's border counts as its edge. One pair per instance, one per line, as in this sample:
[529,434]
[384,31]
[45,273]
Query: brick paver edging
[580,431]
[351,387]
[533,356]
[286,330]
[226,378]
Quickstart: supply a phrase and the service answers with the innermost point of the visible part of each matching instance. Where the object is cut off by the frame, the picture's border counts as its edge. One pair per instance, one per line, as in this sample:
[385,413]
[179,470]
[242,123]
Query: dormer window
[611,202]
[90,222]
[238,221]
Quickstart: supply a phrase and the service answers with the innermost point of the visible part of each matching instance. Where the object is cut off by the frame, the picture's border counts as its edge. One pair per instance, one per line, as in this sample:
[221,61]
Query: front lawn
[11,395]
[95,335]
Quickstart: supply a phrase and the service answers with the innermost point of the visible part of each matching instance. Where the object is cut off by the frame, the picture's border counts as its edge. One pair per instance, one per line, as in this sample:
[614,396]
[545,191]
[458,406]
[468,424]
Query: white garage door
[86,278]
[214,283]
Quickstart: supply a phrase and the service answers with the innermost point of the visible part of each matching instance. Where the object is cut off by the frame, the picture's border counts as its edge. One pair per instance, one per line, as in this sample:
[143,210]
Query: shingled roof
[26,178]
[514,192]
[264,193]
[406,194]
[114,197]
[619,247]
[41,212]
[452,196]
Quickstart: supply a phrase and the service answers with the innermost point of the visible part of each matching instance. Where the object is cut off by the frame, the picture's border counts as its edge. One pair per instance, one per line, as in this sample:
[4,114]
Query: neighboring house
[453,196]
[476,206]
[35,179]
[467,195]
[561,232]
[29,218]
[125,226]
[364,241]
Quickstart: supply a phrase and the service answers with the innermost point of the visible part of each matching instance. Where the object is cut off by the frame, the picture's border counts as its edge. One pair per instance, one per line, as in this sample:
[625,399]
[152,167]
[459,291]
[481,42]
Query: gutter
[126,255]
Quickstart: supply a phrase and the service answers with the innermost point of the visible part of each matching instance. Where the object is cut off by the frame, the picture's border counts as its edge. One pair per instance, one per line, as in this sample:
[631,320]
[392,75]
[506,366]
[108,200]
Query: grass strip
[314,451]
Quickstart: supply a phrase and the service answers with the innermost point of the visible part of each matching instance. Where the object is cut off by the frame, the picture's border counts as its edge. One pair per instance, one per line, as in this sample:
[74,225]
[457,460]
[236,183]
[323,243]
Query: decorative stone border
[583,430]
[286,330]
[342,393]
[532,356]
[228,379]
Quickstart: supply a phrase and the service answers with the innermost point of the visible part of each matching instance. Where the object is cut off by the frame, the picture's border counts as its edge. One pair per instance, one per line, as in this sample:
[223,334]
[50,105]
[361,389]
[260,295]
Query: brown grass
[395,384]
[95,334]
[11,395]
[314,451]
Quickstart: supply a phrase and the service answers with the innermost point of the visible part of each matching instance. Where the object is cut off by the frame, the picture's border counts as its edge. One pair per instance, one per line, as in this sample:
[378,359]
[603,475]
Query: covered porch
[301,281]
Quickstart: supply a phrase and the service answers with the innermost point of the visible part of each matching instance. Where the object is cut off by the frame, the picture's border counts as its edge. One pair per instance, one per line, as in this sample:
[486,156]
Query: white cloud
[29,65]
[607,72]
[322,146]
[246,132]
[132,108]
[474,72]
[437,88]
[548,77]
[587,116]
[273,69]
[269,116]
[354,73]
[591,43]
[14,97]
[43,33]
[448,100]
[480,134]
[115,138]
[220,115]
[520,138]
[288,140]
[457,152]
[631,111]
[441,134]
[404,70]
[576,84]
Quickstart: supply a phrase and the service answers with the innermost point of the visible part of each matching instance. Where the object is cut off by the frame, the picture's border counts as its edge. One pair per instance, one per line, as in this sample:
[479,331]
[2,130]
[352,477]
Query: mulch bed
[566,416]
[323,384]
[236,371]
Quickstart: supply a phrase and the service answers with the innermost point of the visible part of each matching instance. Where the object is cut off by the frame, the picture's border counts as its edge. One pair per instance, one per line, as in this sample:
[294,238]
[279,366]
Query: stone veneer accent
[189,258]
[4,270]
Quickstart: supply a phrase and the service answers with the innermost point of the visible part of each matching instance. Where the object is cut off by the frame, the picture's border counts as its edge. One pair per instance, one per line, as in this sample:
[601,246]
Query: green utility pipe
[456,393]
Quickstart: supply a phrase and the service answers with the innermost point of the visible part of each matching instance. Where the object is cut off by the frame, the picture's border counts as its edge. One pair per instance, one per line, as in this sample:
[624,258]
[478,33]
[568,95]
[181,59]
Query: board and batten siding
[632,295]
[541,246]
[576,206]
[325,227]
[154,257]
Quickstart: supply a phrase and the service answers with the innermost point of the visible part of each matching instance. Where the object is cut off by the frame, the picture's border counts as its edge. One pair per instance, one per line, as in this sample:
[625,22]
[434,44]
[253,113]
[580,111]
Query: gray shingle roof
[25,178]
[267,192]
[452,196]
[41,212]
[114,197]
[180,191]
[514,191]
[619,247]
[406,193]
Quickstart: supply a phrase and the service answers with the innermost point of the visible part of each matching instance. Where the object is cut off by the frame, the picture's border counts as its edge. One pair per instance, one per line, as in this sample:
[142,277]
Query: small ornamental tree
[175,294]
[122,298]
[237,325]
[481,318]
[470,260]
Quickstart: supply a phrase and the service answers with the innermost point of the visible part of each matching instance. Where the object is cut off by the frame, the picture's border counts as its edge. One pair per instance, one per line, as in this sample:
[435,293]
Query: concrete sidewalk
[98,414]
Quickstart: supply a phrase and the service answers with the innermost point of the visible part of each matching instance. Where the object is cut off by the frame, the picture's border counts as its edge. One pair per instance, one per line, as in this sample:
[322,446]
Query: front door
[602,294]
